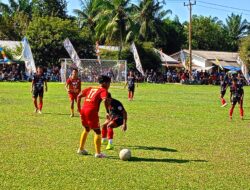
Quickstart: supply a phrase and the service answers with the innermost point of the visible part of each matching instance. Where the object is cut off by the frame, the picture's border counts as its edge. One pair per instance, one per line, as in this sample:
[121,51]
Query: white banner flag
[137,59]
[244,69]
[27,56]
[183,58]
[72,52]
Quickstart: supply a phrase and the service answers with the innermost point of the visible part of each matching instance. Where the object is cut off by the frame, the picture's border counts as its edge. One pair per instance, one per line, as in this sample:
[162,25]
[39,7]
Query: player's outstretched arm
[32,85]
[46,86]
[79,97]
[126,84]
[67,87]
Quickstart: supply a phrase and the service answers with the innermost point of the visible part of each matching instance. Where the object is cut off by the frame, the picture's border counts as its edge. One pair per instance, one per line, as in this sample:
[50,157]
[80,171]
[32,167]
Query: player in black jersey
[37,88]
[236,96]
[224,82]
[116,116]
[131,85]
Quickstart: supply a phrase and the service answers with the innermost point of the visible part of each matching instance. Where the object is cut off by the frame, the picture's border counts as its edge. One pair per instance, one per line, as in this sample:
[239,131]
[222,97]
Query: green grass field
[179,136]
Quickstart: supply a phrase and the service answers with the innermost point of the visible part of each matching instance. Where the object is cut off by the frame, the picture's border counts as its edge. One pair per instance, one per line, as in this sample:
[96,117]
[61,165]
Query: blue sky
[202,7]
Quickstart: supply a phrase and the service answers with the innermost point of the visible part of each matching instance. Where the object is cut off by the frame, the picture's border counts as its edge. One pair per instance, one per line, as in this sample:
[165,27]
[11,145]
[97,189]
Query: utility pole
[189,4]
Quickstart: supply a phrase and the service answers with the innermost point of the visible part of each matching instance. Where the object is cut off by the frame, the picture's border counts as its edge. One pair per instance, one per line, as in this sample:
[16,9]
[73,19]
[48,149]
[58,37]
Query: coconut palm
[236,28]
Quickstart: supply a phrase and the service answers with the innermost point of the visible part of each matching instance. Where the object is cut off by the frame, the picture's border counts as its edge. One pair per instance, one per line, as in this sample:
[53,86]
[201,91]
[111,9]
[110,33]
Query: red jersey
[93,97]
[74,85]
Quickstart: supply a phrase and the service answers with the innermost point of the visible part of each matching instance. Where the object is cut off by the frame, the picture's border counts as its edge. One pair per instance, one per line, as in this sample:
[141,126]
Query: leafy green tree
[245,50]
[46,36]
[111,21]
[207,33]
[54,8]
[236,28]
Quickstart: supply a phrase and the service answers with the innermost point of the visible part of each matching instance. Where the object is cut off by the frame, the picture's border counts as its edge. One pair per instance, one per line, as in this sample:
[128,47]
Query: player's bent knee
[97,131]
[87,129]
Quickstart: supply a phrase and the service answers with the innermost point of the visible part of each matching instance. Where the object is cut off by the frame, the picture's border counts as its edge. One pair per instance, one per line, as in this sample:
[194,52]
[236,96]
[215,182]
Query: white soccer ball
[125,154]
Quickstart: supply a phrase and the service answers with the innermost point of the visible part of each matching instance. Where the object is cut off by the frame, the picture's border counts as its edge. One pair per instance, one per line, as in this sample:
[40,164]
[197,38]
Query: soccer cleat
[39,111]
[35,111]
[224,105]
[104,141]
[82,152]
[72,115]
[230,117]
[101,155]
[241,117]
[110,146]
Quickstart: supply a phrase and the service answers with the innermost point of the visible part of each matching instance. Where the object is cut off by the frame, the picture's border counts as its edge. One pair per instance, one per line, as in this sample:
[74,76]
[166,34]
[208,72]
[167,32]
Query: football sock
[110,141]
[223,101]
[35,103]
[83,139]
[231,112]
[98,142]
[110,133]
[41,105]
[241,112]
[104,132]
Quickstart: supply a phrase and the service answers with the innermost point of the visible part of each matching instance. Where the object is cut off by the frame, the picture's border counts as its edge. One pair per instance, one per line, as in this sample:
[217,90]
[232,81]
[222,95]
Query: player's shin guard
[231,112]
[41,105]
[104,131]
[110,133]
[241,112]
[98,141]
[83,139]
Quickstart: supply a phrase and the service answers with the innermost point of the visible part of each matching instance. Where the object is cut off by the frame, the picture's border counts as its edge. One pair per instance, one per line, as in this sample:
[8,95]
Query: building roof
[211,55]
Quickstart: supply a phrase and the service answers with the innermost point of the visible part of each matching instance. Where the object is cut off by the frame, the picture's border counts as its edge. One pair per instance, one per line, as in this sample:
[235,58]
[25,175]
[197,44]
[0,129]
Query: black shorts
[223,92]
[37,92]
[131,88]
[236,99]
[118,121]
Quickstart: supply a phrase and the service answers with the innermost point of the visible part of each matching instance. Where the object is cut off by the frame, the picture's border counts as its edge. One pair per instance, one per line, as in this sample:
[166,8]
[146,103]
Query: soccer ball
[125,154]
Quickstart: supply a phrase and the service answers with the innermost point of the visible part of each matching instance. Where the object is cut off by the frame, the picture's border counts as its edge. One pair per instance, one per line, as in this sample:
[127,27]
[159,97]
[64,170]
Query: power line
[224,6]
[222,9]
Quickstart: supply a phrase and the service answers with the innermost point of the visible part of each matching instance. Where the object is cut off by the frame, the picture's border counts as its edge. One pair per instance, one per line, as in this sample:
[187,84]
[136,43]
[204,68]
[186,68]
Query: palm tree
[236,28]
[86,14]
[149,16]
[112,21]
[14,6]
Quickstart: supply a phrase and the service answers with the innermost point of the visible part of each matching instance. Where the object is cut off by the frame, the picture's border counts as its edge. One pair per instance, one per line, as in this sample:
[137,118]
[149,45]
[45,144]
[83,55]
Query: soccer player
[37,88]
[223,84]
[73,86]
[117,116]
[89,113]
[236,96]
[131,85]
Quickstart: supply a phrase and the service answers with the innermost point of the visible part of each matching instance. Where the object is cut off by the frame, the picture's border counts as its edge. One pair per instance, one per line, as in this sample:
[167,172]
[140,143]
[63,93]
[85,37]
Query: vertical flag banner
[28,56]
[218,63]
[137,58]
[183,58]
[72,52]
[97,50]
[244,69]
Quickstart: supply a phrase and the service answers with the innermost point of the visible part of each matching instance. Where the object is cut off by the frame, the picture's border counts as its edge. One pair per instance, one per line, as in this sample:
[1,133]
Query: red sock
[104,132]
[231,112]
[223,101]
[129,94]
[241,112]
[110,133]
[35,103]
[41,105]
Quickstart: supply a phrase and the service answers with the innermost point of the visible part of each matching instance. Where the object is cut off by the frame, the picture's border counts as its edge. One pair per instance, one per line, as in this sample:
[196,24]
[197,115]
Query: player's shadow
[168,160]
[164,149]
[48,113]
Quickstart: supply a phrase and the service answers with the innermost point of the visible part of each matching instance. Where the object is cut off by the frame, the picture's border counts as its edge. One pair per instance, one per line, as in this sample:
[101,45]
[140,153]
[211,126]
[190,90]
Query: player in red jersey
[89,113]
[73,86]
[37,88]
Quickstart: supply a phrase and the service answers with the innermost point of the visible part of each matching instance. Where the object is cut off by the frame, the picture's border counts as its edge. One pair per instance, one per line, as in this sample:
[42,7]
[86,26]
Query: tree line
[46,23]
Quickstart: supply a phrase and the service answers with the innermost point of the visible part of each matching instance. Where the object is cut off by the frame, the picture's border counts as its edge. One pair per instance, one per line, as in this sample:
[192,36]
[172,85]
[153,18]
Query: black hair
[104,79]
[39,67]
[75,69]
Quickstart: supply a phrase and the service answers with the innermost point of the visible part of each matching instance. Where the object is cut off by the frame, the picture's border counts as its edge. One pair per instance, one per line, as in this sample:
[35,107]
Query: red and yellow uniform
[89,112]
[74,88]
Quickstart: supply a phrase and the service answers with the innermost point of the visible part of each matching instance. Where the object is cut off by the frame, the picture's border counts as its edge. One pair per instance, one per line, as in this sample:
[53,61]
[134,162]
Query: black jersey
[131,81]
[39,81]
[116,109]
[236,90]
[223,84]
